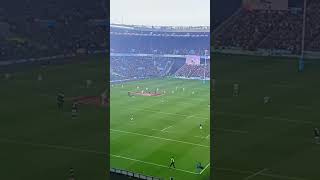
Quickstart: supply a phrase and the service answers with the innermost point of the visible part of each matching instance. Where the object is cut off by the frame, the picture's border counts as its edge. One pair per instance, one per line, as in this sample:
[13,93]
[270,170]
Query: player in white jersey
[40,77]
[266,99]
[235,89]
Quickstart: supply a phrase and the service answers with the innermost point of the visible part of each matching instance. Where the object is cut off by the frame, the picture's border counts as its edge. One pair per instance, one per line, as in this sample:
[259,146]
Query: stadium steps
[169,69]
[227,22]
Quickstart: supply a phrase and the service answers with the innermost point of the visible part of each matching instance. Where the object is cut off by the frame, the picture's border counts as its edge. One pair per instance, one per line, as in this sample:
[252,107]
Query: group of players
[266,100]
[74,108]
[172,160]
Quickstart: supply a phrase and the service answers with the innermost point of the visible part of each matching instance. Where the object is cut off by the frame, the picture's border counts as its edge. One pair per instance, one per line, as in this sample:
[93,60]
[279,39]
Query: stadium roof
[163,28]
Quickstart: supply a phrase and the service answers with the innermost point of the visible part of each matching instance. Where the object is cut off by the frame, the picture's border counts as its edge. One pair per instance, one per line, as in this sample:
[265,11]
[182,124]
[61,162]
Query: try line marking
[255,174]
[156,137]
[154,164]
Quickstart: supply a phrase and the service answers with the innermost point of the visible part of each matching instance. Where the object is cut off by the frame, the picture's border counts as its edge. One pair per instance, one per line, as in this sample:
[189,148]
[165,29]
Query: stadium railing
[132,175]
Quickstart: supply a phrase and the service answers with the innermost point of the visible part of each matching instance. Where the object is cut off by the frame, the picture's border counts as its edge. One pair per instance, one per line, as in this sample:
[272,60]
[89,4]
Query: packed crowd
[47,28]
[248,29]
[194,71]
[140,67]
[273,30]
[158,42]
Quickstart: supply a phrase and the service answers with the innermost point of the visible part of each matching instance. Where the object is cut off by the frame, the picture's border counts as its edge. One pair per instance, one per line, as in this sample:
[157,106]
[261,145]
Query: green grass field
[39,142]
[163,126]
[266,141]
[252,140]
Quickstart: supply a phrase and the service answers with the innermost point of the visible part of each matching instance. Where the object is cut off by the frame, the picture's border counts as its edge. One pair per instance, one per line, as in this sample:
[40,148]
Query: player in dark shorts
[316,135]
[172,163]
[74,110]
[60,100]
[199,166]
[71,174]
[236,89]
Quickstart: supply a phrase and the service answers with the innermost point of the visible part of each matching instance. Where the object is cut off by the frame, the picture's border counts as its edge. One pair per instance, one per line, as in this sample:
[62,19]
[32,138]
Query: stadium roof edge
[163,28]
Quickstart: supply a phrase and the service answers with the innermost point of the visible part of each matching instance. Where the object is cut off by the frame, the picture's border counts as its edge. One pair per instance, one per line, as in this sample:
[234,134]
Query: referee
[172,162]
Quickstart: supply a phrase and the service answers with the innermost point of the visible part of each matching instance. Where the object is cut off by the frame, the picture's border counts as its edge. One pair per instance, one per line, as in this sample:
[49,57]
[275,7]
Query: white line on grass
[68,148]
[281,177]
[303,107]
[205,168]
[155,137]
[289,120]
[255,174]
[160,112]
[51,146]
[269,117]
[231,130]
[262,174]
[166,128]
[190,98]
[207,136]
[201,137]
[150,163]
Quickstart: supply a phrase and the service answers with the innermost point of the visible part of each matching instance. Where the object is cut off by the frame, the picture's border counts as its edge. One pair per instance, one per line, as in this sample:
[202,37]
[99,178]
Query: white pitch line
[201,137]
[281,177]
[166,128]
[191,98]
[150,163]
[51,146]
[262,174]
[156,137]
[83,150]
[231,130]
[255,174]
[289,120]
[205,168]
[269,117]
[175,114]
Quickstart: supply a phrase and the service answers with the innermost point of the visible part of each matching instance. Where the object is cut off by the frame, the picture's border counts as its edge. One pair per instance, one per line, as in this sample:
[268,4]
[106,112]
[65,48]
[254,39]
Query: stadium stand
[275,30]
[139,52]
[160,40]
[47,28]
[189,71]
